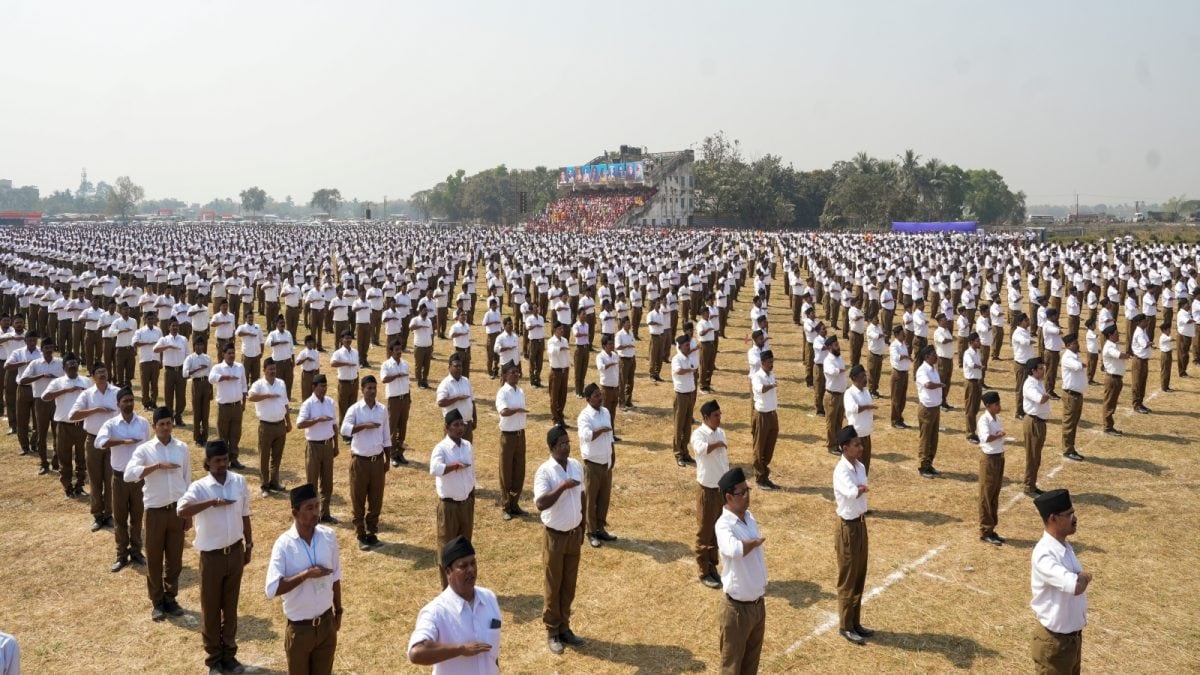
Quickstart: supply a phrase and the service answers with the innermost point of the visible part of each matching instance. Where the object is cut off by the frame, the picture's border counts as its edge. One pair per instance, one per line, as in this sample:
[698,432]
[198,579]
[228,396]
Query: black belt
[161,508]
[1074,393]
[400,396]
[742,602]
[562,532]
[226,550]
[271,423]
[225,404]
[861,518]
[324,442]
[372,458]
[451,500]
[1073,634]
[74,424]
[512,433]
[830,391]
[560,370]
[314,622]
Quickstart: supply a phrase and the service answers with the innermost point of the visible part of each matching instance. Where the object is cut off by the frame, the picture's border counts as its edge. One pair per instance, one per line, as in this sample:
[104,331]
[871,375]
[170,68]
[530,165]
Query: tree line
[490,196]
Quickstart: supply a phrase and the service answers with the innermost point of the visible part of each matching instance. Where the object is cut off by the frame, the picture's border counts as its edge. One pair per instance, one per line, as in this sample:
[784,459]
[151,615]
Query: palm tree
[864,163]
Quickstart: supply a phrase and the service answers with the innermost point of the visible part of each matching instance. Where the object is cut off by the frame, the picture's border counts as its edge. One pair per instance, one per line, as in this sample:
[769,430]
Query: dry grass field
[939,599]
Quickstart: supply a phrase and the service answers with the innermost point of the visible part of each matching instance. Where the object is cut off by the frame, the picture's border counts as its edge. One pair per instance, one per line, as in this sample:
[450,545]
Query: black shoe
[900,425]
[517,511]
[820,413]
[1020,415]
[1002,539]
[985,386]
[926,473]
[853,637]
[1055,397]
[158,613]
[119,564]
[97,525]
[172,607]
[69,494]
[1072,455]
[605,535]
[973,438]
[137,558]
[837,452]
[396,461]
[555,645]
[1034,492]
[710,580]
[594,541]
[237,465]
[42,471]
[991,539]
[401,459]
[79,491]
[1142,410]
[364,544]
[947,407]
[24,452]
[276,487]
[1114,432]
[1093,383]
[506,515]
[329,520]
[689,461]
[265,492]
[570,638]
[1167,390]
[863,631]
[681,463]
[373,540]
[767,485]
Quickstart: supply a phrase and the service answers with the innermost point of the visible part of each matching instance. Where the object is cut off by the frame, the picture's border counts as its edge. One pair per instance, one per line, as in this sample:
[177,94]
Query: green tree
[125,197]
[253,199]
[327,200]
[988,198]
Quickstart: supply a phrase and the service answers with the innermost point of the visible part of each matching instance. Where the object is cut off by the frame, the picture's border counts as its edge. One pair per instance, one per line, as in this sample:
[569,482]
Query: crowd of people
[169,314]
[591,211]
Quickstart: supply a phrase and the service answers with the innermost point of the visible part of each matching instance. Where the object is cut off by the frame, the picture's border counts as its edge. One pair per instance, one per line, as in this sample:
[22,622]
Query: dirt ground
[938,598]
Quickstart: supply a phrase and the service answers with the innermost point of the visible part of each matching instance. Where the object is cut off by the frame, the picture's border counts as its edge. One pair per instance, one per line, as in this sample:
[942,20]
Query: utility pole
[385,211]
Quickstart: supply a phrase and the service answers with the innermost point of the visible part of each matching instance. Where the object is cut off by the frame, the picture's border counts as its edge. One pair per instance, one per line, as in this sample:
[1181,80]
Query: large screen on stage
[600,174]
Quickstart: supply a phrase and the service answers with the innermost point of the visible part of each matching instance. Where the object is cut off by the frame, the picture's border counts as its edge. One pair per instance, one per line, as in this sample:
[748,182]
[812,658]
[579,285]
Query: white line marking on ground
[943,579]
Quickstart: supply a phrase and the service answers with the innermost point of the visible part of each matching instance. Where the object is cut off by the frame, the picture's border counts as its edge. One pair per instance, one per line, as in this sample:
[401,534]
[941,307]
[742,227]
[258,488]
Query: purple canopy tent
[918,228]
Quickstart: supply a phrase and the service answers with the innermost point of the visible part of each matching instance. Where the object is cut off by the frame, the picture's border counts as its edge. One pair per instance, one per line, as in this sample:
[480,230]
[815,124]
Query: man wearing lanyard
[850,490]
[452,463]
[558,494]
[164,466]
[115,442]
[305,571]
[366,423]
[1059,585]
[464,641]
[743,614]
[220,504]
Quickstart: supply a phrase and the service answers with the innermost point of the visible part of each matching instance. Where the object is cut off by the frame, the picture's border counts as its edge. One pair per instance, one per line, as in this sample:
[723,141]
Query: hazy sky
[202,99]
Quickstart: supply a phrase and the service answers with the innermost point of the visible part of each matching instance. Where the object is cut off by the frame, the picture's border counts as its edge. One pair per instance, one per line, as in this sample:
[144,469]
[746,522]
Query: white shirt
[623,344]
[199,363]
[559,351]
[422,331]
[92,397]
[896,350]
[450,388]
[1111,357]
[853,401]
[595,450]
[136,429]
[764,401]
[972,364]
[1074,377]
[567,513]
[229,391]
[367,442]
[218,526]
[1140,345]
[460,335]
[347,355]
[710,465]
[290,556]
[147,337]
[846,479]
[1032,393]
[172,357]
[311,409]
[1053,575]
[744,577]
[943,343]
[835,374]
[930,398]
[312,362]
[450,619]
[456,485]
[271,409]
[608,366]
[283,351]
[164,486]
[986,426]
[1022,345]
[512,398]
[63,404]
[398,386]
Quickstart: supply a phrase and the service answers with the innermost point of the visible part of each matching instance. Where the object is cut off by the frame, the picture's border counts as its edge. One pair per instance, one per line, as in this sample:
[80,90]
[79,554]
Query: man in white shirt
[712,461]
[309,362]
[706,335]
[196,368]
[422,331]
[460,338]
[558,352]
[269,396]
[1058,585]
[850,491]
[283,349]
[764,420]
[859,407]
[345,363]
[836,382]
[305,570]
[1037,411]
[1140,349]
[1114,360]
[459,630]
[901,364]
[535,345]
[599,457]
[116,441]
[1022,348]
[172,351]
[318,420]
[40,367]
[657,323]
[229,383]
[1074,381]
[70,439]
[627,351]
[493,324]
[609,377]
[683,380]
[220,505]
[558,496]
[743,613]
[92,408]
[972,367]
[510,404]
[394,375]
[163,466]
[455,392]
[366,424]
[929,398]
[991,467]
[452,463]
[1185,328]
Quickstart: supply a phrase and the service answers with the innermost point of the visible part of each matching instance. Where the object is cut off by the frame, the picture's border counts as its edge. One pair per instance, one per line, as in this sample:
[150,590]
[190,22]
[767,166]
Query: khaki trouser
[537,349]
[366,492]
[597,489]
[1181,353]
[493,359]
[36,418]
[309,647]
[819,391]
[398,409]
[764,432]
[229,425]
[866,453]
[123,372]
[856,347]
[609,397]
[175,391]
[685,403]
[318,469]
[560,558]
[850,542]
[1072,410]
[835,416]
[421,358]
[1019,374]
[708,509]
[581,354]
[945,369]
[1164,371]
[127,513]
[991,476]
[512,468]
[708,362]
[1056,653]
[347,391]
[99,472]
[899,395]
[1139,369]
[220,587]
[306,383]
[284,370]
[874,368]
[558,393]
[973,390]
[454,519]
[363,333]
[1035,438]
[627,368]
[1112,392]
[149,374]
[656,352]
[69,442]
[742,628]
[1051,359]
[271,438]
[927,419]
[253,366]
[201,402]
[164,552]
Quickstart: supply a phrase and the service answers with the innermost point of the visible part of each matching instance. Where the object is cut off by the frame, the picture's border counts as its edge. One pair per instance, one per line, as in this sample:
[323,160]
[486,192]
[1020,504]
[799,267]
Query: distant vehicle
[1034,220]
[1139,217]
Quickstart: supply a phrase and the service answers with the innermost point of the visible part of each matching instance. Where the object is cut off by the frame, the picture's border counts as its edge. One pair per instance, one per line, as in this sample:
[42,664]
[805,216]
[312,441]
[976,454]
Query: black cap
[709,408]
[766,354]
[857,370]
[301,494]
[555,435]
[1109,330]
[458,547]
[682,339]
[1070,337]
[123,392]
[369,379]
[320,378]
[163,413]
[453,416]
[991,397]
[756,334]
[1051,502]
[731,479]
[845,435]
